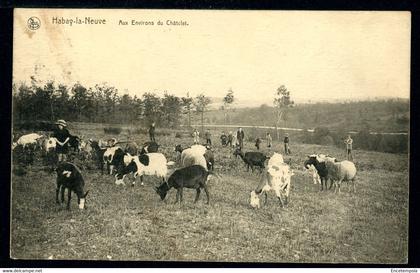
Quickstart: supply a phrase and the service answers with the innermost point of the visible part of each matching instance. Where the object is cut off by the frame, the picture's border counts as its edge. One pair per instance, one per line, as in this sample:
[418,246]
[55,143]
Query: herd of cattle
[196,167]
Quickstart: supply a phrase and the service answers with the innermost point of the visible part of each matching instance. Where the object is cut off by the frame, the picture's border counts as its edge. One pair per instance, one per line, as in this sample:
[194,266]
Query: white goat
[194,156]
[277,178]
[341,171]
[154,164]
[29,139]
[313,173]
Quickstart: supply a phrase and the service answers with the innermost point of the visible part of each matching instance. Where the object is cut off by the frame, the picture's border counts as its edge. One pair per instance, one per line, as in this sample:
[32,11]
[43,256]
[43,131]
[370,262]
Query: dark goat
[149,147]
[192,177]
[252,159]
[98,154]
[70,178]
[320,168]
[74,143]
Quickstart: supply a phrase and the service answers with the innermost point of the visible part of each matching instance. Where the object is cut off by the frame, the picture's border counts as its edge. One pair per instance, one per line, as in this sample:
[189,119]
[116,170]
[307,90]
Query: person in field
[152,132]
[208,137]
[286,144]
[196,136]
[230,139]
[62,136]
[349,147]
[258,143]
[223,139]
[240,135]
[269,141]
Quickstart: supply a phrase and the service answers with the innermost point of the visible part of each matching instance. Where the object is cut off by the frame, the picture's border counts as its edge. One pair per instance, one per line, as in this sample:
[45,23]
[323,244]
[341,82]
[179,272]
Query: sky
[315,54]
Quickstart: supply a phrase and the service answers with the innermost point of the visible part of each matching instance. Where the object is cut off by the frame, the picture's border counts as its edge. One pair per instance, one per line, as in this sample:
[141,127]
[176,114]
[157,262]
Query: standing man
[258,142]
[286,144]
[349,146]
[240,138]
[208,137]
[62,136]
[152,132]
[269,141]
[230,139]
[196,136]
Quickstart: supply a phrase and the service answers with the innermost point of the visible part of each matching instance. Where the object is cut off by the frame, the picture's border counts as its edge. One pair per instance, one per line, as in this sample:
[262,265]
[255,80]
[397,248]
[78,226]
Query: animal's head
[254,200]
[162,190]
[237,152]
[178,148]
[312,160]
[83,200]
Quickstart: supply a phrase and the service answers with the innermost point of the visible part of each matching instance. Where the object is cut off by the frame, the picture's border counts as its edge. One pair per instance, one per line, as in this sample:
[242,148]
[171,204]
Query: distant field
[132,223]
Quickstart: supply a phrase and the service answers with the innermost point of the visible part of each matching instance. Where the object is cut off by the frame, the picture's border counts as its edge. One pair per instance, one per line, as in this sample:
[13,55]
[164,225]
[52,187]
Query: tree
[201,103]
[152,108]
[282,102]
[227,102]
[187,103]
[171,110]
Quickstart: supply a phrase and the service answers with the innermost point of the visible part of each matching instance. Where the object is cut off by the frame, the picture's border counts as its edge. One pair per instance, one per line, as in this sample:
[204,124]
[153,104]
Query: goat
[98,154]
[149,164]
[252,159]
[69,177]
[192,177]
[149,147]
[319,162]
[277,177]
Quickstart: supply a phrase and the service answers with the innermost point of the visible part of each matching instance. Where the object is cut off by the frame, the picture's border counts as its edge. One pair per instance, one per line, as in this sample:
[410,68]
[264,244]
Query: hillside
[391,115]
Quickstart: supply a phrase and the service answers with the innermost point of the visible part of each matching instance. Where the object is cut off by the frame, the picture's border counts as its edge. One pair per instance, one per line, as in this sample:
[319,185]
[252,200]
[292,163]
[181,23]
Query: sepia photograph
[251,136]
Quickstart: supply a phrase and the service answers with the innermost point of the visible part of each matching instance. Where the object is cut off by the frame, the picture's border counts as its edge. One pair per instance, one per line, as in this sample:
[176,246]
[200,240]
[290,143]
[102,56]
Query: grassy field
[132,223]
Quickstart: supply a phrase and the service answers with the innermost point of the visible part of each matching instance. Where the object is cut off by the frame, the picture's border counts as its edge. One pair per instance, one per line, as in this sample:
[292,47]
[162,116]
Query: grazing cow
[192,177]
[69,177]
[153,164]
[277,178]
[252,159]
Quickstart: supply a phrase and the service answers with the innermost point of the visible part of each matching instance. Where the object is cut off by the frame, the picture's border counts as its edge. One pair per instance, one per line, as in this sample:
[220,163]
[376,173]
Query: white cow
[277,178]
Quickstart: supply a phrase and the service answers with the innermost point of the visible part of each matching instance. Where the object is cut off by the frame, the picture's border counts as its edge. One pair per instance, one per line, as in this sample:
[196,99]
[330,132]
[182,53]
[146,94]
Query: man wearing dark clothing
[152,132]
[286,144]
[230,139]
[257,143]
[240,138]
[208,137]
[62,135]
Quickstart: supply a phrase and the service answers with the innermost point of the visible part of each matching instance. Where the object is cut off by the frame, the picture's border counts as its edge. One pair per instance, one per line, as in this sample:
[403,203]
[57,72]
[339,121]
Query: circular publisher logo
[34,23]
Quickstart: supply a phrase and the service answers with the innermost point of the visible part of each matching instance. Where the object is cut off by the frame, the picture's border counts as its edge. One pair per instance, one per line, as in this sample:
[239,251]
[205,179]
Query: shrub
[112,130]
[178,135]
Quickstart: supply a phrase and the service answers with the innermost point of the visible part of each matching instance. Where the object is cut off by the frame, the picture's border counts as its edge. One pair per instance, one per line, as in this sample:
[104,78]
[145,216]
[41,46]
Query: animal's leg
[197,195]
[354,184]
[265,199]
[62,193]
[56,193]
[68,198]
[331,184]
[177,195]
[279,197]
[207,194]
[181,194]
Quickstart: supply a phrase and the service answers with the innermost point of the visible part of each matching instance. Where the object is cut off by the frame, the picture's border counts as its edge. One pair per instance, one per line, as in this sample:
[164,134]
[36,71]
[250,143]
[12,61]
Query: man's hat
[61,122]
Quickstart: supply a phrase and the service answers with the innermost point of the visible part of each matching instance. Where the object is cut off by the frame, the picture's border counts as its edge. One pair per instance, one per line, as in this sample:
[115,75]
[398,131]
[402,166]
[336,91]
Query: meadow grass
[132,223]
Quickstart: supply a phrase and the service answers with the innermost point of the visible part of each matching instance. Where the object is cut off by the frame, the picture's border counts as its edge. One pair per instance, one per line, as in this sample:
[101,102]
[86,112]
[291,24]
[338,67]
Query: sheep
[252,159]
[341,171]
[149,164]
[193,177]
[69,177]
[277,177]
